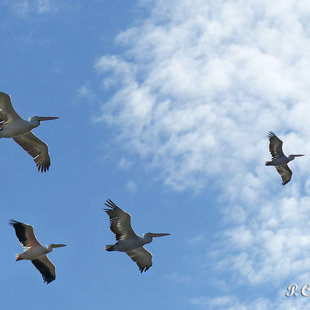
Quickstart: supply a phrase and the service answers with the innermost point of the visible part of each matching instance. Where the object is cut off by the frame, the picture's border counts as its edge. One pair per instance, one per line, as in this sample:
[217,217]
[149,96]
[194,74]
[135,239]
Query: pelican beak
[58,245]
[298,155]
[159,234]
[47,118]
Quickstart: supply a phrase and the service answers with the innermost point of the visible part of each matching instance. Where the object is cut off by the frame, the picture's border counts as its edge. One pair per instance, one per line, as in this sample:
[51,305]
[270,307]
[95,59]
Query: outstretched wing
[285,173]
[275,145]
[120,223]
[24,233]
[35,148]
[7,112]
[46,268]
[142,257]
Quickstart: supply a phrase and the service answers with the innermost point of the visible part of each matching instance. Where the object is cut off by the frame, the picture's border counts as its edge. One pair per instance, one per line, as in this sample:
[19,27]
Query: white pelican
[279,160]
[34,251]
[13,126]
[127,240]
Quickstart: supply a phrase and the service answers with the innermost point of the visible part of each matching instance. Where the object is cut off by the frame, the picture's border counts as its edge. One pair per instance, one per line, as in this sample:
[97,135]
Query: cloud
[21,8]
[231,302]
[124,163]
[43,6]
[194,94]
[272,241]
[24,7]
[197,240]
[131,187]
[85,92]
[224,302]
[200,91]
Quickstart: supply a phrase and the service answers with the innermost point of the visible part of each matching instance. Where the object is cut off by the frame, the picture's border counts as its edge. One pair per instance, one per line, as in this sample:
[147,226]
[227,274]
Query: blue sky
[164,108]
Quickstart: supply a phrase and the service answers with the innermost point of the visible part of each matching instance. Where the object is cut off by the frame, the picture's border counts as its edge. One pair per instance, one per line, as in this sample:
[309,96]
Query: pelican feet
[2,124]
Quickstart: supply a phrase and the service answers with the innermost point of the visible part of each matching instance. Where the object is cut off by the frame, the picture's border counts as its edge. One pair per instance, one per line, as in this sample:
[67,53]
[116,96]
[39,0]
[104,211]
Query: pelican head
[36,120]
[152,235]
[57,245]
[292,156]
[52,246]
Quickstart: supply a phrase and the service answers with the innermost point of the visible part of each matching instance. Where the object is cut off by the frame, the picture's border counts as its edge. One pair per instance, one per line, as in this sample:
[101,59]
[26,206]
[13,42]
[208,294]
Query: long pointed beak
[298,155]
[58,245]
[159,234]
[47,118]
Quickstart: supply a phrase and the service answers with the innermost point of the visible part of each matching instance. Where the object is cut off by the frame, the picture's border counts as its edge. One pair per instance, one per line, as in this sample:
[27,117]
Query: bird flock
[20,130]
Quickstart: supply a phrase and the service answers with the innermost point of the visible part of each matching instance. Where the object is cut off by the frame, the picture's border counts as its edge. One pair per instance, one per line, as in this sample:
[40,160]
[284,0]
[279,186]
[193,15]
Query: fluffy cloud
[202,83]
[194,95]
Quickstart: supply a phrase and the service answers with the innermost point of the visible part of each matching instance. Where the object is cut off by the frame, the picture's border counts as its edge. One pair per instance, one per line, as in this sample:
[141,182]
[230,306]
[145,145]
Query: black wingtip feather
[271,134]
[12,222]
[109,203]
[19,231]
[43,168]
[144,269]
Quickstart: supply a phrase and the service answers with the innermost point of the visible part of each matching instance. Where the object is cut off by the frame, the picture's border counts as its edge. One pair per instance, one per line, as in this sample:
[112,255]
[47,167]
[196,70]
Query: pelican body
[13,126]
[34,251]
[133,242]
[279,160]
[127,240]
[16,128]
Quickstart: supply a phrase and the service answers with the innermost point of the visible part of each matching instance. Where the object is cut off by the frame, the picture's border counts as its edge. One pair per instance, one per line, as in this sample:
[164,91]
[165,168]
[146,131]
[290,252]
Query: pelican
[127,240]
[13,126]
[34,251]
[279,160]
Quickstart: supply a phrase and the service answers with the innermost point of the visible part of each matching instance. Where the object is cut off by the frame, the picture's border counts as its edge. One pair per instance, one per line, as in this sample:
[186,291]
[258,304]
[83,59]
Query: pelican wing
[24,233]
[46,268]
[120,223]
[275,145]
[7,111]
[35,148]
[141,257]
[285,173]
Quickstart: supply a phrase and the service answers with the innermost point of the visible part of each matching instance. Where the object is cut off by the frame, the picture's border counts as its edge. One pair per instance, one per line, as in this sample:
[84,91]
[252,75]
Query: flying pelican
[279,160]
[34,251]
[127,240]
[13,126]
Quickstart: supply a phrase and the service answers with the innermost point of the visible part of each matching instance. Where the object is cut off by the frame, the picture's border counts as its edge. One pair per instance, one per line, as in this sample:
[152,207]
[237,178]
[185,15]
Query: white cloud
[25,7]
[200,91]
[43,6]
[231,302]
[131,187]
[198,88]
[85,92]
[124,163]
[271,242]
